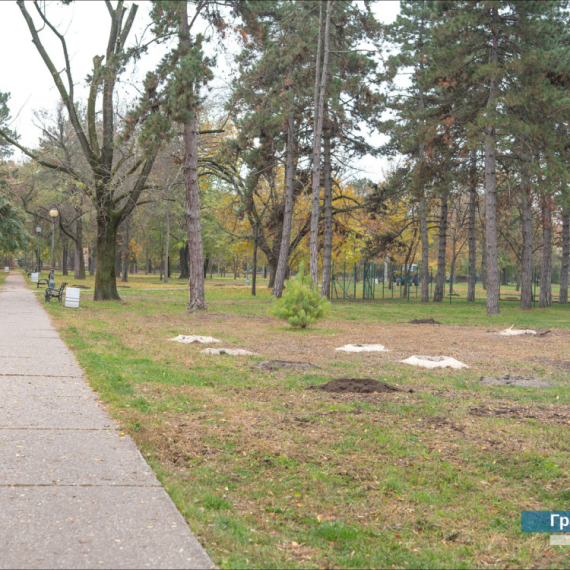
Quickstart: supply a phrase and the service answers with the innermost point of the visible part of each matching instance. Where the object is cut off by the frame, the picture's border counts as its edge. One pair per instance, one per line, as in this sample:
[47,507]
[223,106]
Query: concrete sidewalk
[74,493]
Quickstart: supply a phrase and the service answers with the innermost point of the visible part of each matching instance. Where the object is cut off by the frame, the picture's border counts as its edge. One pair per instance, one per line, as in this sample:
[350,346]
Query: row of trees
[469,96]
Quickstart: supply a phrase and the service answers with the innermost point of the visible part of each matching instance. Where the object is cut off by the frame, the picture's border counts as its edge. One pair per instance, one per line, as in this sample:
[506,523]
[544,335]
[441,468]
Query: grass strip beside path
[270,474]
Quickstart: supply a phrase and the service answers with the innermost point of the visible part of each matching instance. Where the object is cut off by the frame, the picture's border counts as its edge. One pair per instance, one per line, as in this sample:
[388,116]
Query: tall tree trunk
[105,276]
[545,299]
[288,211]
[254,261]
[79,264]
[184,272]
[167,246]
[319,103]
[565,262]
[472,228]
[440,276]
[64,255]
[197,296]
[484,263]
[272,262]
[423,206]
[526,224]
[491,184]
[328,229]
[125,255]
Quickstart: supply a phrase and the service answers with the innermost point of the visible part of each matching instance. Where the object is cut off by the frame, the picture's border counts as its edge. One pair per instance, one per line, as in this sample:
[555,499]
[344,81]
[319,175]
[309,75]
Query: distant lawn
[272,475]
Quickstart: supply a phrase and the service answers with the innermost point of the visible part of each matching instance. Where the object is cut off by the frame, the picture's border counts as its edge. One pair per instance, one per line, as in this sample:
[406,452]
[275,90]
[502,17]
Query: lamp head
[53,213]
[38,230]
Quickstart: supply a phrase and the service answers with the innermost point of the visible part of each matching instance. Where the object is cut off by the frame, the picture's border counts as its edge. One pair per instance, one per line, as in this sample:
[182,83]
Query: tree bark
[272,262]
[105,276]
[545,299]
[64,270]
[167,245]
[526,225]
[197,297]
[423,206]
[254,262]
[565,262]
[79,265]
[440,276]
[491,184]
[125,253]
[472,228]
[288,213]
[319,103]
[328,228]
[184,271]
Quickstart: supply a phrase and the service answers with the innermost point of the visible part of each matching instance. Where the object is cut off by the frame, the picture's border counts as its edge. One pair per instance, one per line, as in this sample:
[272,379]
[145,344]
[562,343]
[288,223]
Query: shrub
[301,304]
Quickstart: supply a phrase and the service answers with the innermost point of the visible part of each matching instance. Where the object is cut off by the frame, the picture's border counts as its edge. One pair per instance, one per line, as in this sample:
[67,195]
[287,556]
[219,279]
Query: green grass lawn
[270,474]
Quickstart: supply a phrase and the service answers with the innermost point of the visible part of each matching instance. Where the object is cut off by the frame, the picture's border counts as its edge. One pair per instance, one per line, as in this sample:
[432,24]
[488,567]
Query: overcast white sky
[85,25]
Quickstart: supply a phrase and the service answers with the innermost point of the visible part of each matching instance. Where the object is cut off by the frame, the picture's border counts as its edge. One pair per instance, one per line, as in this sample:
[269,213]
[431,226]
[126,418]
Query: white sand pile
[363,348]
[511,331]
[194,339]
[434,362]
[230,351]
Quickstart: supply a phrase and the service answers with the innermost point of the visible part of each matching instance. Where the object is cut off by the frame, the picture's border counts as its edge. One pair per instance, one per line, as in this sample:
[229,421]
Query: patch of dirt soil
[564,364]
[358,385]
[425,322]
[520,413]
[514,380]
[287,364]
[79,287]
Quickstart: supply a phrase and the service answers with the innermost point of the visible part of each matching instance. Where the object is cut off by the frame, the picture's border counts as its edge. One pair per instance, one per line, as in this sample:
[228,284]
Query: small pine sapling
[301,304]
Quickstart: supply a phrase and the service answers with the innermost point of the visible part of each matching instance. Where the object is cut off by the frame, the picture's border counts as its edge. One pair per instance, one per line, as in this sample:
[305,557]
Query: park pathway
[74,492]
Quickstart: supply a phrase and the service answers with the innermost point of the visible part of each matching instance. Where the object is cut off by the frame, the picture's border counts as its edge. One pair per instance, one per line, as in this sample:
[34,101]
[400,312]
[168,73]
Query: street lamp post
[38,231]
[53,213]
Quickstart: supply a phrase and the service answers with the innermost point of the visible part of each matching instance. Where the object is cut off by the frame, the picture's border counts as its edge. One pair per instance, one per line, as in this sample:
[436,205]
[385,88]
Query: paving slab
[59,364]
[74,492]
[28,386]
[53,412]
[143,529]
[71,457]
[26,346]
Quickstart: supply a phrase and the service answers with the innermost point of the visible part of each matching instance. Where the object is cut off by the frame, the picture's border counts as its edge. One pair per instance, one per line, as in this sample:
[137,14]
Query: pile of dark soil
[287,364]
[508,380]
[425,322]
[358,385]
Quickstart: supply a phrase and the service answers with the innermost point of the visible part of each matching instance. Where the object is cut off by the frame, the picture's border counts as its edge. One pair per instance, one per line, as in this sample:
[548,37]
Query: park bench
[55,293]
[42,282]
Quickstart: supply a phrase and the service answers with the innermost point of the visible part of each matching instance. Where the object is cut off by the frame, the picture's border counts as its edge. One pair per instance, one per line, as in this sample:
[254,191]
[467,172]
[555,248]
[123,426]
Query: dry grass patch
[270,474]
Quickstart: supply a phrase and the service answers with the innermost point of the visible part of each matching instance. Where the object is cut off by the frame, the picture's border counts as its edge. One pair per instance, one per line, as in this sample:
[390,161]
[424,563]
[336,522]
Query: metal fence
[394,281]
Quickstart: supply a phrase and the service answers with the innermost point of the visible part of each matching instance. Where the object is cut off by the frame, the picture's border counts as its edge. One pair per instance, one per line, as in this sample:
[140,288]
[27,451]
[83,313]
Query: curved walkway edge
[74,491]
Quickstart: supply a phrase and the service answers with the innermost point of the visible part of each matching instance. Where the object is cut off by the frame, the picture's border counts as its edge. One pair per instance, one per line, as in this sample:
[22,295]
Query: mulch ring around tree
[425,322]
[357,385]
[284,364]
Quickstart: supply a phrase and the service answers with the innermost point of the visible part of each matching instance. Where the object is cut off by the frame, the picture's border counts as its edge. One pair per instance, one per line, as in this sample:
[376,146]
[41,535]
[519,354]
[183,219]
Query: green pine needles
[301,304]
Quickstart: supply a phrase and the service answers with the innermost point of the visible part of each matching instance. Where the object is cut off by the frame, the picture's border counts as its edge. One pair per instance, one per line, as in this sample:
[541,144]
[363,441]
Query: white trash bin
[6,269]
[34,277]
[72,297]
